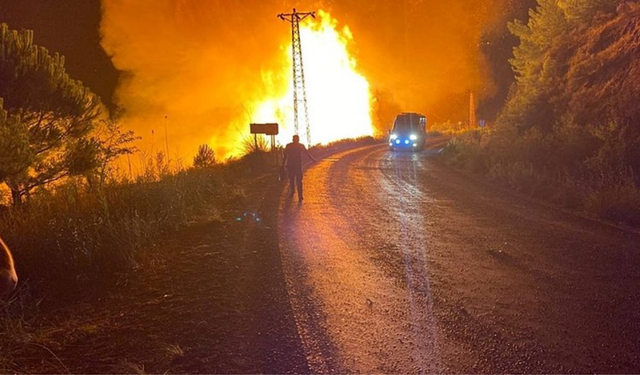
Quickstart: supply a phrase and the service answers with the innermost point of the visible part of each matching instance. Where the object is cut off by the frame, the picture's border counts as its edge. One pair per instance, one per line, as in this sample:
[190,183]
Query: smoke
[199,68]
[422,55]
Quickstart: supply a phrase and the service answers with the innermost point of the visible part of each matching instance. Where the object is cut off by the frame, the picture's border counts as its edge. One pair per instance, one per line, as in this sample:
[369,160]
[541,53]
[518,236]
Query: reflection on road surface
[395,263]
[354,315]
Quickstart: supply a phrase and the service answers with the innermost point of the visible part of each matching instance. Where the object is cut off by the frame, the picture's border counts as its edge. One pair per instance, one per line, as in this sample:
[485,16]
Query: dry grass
[73,243]
[70,237]
[127,367]
[173,351]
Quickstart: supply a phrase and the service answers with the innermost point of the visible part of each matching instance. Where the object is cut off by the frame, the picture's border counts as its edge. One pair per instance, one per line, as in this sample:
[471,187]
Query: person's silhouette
[293,160]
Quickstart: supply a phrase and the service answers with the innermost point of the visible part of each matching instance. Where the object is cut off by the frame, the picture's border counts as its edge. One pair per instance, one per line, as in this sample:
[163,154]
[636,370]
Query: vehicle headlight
[413,137]
[394,136]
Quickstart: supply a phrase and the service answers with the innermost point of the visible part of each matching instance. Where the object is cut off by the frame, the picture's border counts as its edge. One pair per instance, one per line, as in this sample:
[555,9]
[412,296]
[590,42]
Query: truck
[409,132]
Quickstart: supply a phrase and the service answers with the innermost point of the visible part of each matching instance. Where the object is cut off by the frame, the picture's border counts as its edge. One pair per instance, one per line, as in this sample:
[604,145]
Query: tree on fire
[46,133]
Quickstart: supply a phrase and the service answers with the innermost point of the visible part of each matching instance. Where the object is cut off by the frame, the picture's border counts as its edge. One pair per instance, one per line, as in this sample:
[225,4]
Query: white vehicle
[409,132]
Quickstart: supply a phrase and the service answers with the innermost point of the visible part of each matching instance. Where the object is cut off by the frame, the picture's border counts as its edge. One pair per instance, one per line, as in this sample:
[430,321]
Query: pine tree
[205,157]
[49,110]
[15,153]
[582,12]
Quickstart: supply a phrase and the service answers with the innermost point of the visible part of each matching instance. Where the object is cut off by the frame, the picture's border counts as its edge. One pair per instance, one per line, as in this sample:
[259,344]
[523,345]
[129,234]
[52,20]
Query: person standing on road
[293,160]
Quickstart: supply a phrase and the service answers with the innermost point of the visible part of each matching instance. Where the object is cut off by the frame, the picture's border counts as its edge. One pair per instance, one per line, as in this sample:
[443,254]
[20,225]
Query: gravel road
[395,263]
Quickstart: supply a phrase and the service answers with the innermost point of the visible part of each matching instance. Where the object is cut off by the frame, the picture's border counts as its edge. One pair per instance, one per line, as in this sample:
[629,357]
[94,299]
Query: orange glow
[338,96]
[204,69]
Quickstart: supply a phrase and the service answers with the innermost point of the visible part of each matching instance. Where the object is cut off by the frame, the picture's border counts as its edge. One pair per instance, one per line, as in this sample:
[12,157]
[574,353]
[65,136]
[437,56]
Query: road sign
[268,129]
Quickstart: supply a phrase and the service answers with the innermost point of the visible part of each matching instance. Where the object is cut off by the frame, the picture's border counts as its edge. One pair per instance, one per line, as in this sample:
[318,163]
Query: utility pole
[299,88]
[472,111]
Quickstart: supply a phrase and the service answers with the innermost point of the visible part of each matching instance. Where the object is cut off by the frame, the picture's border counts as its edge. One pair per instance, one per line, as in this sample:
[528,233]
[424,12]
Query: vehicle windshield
[403,128]
[408,123]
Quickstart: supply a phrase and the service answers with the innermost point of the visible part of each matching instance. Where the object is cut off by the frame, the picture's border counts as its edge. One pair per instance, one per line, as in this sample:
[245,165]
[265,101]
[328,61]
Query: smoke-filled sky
[199,66]
[69,27]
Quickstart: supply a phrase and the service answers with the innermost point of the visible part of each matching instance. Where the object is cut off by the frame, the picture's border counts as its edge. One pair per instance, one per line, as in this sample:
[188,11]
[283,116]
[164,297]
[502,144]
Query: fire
[196,71]
[338,96]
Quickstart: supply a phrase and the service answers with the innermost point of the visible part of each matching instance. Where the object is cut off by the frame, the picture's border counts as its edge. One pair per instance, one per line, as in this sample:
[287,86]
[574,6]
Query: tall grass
[67,238]
[72,237]
[73,241]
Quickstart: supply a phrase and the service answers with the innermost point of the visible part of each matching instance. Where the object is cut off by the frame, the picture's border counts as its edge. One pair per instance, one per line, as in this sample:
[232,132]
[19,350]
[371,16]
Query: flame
[199,71]
[338,97]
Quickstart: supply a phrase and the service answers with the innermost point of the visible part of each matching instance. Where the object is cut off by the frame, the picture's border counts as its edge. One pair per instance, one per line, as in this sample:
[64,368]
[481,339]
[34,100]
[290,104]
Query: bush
[465,150]
[618,203]
[614,196]
[66,238]
[547,166]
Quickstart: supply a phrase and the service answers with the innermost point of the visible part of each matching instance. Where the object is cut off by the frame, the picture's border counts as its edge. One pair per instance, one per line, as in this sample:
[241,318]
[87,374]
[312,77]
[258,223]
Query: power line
[299,86]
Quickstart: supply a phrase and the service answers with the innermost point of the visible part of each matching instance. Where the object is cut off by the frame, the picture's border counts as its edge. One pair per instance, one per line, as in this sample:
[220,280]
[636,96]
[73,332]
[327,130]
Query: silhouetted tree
[112,142]
[553,34]
[497,45]
[535,67]
[205,157]
[48,110]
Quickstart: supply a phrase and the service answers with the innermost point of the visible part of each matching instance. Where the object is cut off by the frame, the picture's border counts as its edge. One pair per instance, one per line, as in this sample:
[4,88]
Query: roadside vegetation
[449,128]
[79,227]
[570,129]
[72,218]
